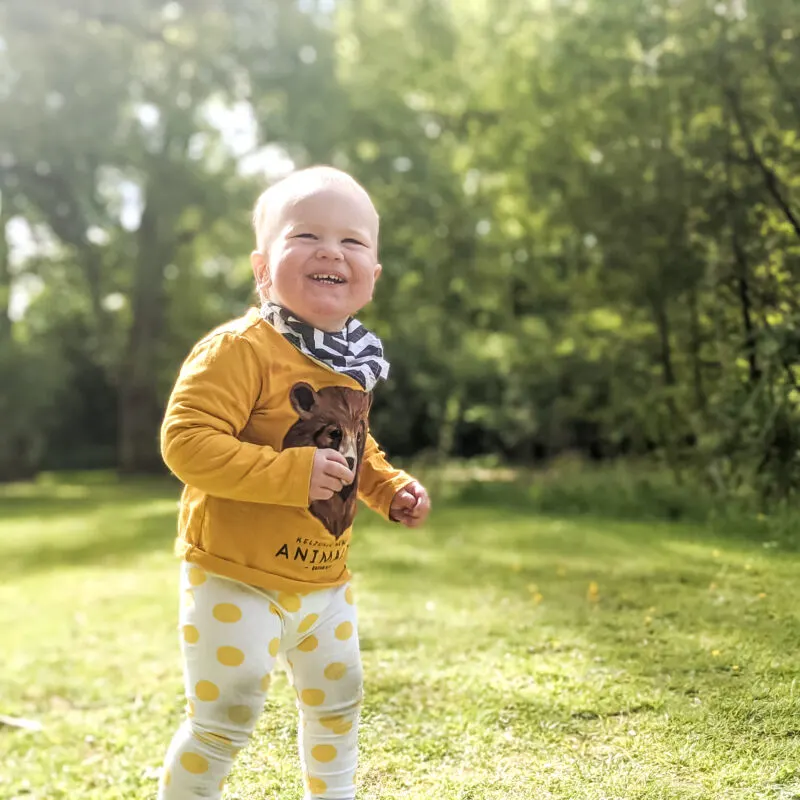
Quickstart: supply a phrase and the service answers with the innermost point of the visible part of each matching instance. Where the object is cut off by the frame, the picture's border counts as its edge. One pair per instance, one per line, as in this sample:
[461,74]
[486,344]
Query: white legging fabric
[231,636]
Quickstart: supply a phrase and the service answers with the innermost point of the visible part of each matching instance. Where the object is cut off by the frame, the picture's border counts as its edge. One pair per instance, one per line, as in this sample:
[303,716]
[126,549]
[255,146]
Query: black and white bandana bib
[353,351]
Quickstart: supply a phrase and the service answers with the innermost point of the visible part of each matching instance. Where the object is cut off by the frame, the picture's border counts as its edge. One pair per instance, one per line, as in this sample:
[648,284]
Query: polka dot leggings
[231,636]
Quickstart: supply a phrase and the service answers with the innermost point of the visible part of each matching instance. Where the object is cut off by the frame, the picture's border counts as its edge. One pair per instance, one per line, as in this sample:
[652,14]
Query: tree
[108,136]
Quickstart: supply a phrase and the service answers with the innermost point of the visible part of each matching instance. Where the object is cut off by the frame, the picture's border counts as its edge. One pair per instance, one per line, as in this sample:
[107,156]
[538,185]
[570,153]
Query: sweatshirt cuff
[295,491]
[381,500]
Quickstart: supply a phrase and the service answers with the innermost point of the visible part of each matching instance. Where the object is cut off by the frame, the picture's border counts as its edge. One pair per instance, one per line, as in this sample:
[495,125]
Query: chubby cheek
[364,285]
[287,282]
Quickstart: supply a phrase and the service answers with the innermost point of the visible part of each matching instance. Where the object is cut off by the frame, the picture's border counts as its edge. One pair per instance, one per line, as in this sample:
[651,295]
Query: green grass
[507,655]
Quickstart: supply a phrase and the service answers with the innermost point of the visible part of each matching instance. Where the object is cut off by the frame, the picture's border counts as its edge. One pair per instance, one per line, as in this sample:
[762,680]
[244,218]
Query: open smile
[327,278]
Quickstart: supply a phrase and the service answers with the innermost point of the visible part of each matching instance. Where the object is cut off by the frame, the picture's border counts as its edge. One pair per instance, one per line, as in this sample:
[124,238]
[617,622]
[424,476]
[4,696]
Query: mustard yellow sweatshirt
[241,427]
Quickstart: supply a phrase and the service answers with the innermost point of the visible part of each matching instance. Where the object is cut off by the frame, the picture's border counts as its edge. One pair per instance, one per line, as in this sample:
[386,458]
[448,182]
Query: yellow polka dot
[227,612]
[291,602]
[207,691]
[344,631]
[194,763]
[274,647]
[240,714]
[338,725]
[308,645]
[348,595]
[190,708]
[265,681]
[230,656]
[307,623]
[222,784]
[335,671]
[324,752]
[312,697]
[317,785]
[196,576]
[191,634]
[167,779]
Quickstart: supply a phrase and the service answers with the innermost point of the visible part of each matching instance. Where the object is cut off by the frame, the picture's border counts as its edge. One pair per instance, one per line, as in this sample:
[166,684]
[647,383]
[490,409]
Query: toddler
[267,427]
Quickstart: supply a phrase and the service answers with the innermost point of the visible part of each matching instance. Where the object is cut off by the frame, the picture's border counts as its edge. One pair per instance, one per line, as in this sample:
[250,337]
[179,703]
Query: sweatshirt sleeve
[210,405]
[379,481]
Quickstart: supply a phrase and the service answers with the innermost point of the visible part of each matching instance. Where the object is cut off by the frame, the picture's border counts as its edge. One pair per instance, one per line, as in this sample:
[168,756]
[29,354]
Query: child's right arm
[211,403]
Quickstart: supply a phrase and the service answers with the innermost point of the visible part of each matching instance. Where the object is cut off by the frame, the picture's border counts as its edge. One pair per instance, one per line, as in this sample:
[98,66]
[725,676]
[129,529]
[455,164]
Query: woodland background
[590,209]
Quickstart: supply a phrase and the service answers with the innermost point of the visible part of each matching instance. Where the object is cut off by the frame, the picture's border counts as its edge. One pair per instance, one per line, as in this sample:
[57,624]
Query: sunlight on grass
[506,655]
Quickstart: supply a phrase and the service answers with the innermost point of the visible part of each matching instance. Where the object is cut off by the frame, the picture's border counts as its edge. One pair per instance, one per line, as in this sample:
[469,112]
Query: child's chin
[331,315]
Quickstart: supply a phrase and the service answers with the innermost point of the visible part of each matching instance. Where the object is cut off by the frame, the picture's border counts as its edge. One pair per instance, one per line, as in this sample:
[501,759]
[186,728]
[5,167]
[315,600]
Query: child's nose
[329,250]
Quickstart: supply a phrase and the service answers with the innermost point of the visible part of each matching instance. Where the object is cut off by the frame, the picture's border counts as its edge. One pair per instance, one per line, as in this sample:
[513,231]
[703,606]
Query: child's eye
[353,241]
[304,236]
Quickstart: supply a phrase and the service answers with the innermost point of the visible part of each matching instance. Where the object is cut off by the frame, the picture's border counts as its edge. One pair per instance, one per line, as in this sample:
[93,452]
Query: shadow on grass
[479,534]
[75,521]
[507,546]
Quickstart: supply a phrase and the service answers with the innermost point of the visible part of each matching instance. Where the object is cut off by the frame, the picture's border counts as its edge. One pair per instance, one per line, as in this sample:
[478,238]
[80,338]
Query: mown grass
[509,653]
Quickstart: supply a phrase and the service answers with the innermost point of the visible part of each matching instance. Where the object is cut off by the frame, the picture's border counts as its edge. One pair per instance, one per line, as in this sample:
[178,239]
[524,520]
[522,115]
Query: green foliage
[639,491]
[591,220]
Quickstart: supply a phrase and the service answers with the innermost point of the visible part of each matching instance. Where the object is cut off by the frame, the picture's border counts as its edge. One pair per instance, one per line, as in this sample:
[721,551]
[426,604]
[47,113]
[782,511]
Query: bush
[28,401]
[619,490]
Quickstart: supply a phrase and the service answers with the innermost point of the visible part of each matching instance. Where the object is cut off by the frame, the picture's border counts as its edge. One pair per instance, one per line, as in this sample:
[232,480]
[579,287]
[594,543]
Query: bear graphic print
[335,418]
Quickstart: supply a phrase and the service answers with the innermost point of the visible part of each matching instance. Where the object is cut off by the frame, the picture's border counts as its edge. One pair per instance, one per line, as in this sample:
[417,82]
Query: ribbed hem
[381,501]
[250,575]
[300,470]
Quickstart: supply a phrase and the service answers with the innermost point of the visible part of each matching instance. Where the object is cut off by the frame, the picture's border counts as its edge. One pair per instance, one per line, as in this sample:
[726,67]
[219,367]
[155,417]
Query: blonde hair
[292,188]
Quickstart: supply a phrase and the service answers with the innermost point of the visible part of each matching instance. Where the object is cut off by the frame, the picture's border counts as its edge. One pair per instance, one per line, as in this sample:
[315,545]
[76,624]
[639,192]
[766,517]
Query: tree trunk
[665,345]
[5,275]
[140,410]
[695,334]
[672,435]
[742,268]
[746,308]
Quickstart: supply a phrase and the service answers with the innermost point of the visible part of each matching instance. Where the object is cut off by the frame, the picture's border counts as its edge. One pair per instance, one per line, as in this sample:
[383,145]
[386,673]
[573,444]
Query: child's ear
[261,272]
[378,271]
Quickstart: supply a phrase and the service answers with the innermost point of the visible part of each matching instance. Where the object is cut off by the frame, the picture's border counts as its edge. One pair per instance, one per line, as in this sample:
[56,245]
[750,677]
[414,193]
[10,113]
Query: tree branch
[771,180]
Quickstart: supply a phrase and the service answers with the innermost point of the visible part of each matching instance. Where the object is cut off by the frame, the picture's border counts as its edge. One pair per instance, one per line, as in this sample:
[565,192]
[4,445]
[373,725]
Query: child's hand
[411,505]
[329,475]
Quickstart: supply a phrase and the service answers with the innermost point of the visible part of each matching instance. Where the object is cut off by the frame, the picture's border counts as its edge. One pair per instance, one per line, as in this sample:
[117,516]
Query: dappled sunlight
[573,652]
[588,254]
[111,527]
[41,491]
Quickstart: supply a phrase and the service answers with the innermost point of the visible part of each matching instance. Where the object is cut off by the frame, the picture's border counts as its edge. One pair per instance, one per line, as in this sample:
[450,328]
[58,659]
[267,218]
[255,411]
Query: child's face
[322,263]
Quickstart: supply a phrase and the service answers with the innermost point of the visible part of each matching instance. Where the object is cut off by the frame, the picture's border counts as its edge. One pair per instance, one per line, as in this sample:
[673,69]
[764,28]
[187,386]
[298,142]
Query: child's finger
[405,499]
[421,510]
[422,499]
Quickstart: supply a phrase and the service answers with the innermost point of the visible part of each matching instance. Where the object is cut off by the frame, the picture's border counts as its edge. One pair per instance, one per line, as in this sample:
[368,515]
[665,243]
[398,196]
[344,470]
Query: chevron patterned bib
[353,351]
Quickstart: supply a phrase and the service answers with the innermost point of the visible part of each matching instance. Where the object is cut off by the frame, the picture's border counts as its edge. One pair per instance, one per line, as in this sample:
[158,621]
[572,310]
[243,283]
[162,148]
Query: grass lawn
[507,655]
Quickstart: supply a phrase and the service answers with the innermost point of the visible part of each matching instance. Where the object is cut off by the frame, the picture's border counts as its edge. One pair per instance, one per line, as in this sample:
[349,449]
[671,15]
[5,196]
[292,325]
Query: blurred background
[590,219]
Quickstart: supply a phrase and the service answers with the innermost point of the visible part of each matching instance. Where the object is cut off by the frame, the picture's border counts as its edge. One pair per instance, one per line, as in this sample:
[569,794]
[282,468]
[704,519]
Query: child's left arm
[391,492]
